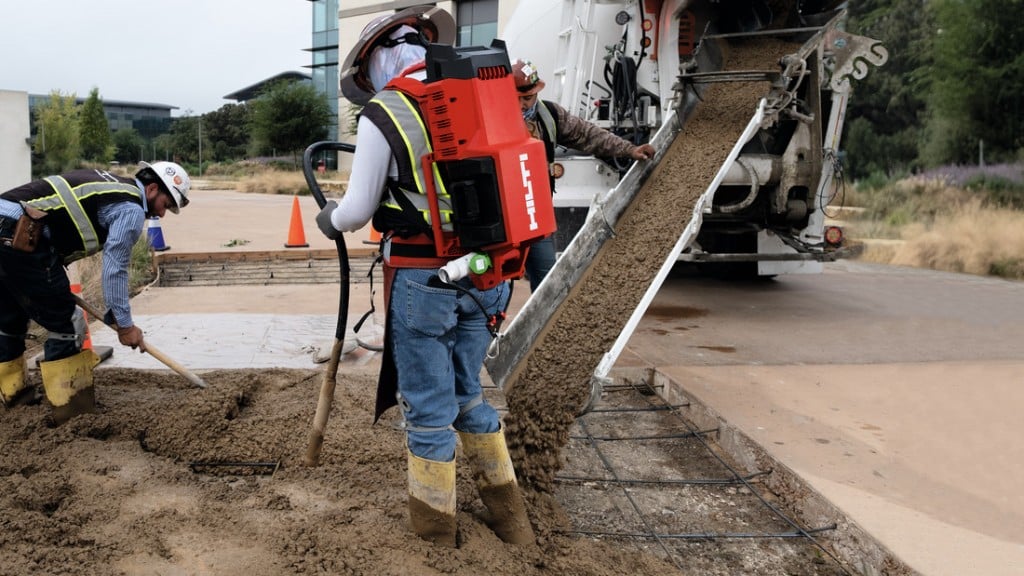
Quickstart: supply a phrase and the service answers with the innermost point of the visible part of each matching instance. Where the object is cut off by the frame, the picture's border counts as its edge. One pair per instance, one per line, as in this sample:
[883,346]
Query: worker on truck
[552,124]
[49,223]
[436,334]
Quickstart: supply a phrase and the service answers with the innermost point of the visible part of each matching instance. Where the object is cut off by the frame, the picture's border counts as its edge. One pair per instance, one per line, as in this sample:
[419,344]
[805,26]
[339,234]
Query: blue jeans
[539,261]
[34,285]
[439,336]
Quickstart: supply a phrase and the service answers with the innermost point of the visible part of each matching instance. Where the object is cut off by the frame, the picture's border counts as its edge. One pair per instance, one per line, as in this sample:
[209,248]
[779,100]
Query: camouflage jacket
[576,133]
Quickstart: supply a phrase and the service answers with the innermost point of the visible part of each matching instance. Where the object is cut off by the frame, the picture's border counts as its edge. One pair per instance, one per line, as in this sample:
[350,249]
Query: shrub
[998,191]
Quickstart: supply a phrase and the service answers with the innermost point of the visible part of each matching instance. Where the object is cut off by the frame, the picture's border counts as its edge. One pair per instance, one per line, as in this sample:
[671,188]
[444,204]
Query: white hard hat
[174,179]
[436,24]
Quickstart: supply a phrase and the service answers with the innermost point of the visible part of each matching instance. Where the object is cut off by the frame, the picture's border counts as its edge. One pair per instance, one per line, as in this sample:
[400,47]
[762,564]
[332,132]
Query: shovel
[150,349]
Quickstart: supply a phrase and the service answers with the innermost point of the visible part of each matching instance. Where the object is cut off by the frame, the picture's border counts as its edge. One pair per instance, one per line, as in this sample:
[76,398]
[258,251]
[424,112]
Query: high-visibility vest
[71,201]
[397,116]
[549,135]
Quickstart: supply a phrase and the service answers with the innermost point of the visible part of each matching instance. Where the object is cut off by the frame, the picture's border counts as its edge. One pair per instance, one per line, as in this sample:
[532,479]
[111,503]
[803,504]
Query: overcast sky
[183,53]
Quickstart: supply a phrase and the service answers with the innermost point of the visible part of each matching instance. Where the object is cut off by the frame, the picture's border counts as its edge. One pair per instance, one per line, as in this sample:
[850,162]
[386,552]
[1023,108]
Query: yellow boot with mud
[432,500]
[68,385]
[12,380]
[496,480]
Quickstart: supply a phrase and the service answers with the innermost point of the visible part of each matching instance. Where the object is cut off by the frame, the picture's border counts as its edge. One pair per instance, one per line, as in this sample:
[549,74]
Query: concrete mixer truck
[626,64]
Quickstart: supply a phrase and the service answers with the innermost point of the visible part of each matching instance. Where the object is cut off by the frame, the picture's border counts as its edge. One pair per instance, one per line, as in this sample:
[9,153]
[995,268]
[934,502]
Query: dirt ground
[147,486]
[169,479]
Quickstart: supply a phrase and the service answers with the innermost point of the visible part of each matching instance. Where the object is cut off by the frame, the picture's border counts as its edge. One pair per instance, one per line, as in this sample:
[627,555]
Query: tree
[977,81]
[57,142]
[289,116]
[887,108]
[128,145]
[184,138]
[162,143]
[227,130]
[94,131]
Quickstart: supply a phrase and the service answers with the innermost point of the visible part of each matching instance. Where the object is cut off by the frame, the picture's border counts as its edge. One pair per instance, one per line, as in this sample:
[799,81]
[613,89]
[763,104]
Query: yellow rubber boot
[432,500]
[68,385]
[12,379]
[496,480]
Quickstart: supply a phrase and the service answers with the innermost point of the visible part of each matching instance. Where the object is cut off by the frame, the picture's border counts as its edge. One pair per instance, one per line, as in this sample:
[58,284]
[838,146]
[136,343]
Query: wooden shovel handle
[150,349]
[323,406]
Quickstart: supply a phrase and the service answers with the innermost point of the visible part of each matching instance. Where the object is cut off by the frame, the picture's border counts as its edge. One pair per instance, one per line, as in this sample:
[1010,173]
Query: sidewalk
[207,328]
[229,327]
[235,327]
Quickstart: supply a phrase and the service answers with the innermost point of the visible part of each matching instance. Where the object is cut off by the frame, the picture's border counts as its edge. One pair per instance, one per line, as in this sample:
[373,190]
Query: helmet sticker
[531,73]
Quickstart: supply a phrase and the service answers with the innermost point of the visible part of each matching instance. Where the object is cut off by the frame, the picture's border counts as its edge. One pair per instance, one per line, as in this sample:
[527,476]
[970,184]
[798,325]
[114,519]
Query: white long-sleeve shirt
[372,164]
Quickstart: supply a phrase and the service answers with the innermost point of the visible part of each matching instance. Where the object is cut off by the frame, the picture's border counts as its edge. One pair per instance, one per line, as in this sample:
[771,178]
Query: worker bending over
[49,223]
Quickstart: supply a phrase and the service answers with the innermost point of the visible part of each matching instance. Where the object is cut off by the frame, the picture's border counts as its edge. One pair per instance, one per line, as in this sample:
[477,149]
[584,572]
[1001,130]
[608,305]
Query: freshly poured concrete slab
[232,341]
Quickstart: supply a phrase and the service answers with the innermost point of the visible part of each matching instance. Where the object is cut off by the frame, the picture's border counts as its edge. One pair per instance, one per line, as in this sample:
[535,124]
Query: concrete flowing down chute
[772,174]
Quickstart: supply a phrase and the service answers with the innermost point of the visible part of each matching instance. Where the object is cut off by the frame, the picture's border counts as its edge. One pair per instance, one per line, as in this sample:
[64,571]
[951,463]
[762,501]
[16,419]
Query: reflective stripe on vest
[68,198]
[550,134]
[414,134]
[550,129]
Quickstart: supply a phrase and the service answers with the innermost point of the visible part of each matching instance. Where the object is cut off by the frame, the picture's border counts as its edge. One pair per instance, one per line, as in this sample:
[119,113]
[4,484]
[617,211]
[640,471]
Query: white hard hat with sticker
[175,180]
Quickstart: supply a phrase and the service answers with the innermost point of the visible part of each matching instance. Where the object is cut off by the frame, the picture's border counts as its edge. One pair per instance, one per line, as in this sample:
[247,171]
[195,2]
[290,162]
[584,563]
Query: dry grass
[934,223]
[978,240]
[274,182]
[280,182]
[880,251]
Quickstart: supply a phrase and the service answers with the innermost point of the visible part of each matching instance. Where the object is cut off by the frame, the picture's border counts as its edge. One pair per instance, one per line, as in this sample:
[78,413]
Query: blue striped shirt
[124,222]
[10,209]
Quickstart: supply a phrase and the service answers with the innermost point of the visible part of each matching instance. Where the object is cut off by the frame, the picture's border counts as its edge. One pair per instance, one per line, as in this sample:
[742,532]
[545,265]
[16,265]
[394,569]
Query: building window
[325,58]
[325,15]
[477,22]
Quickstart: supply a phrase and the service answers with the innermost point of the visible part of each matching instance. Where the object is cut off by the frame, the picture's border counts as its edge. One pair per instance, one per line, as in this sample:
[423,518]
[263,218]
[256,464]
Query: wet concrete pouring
[168,479]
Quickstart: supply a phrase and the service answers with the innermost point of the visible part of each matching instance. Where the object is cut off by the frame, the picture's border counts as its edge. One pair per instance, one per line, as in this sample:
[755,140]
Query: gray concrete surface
[893,392]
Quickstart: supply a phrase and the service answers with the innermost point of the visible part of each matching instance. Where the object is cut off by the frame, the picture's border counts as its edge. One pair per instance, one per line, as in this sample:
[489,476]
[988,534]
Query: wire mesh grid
[638,472]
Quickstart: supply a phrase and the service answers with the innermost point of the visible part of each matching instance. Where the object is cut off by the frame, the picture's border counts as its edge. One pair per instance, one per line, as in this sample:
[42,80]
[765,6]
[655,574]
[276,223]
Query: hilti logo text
[531,206]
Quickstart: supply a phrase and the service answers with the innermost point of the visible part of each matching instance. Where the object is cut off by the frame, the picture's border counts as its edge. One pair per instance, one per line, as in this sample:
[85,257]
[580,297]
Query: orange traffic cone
[87,343]
[374,237]
[296,235]
[101,352]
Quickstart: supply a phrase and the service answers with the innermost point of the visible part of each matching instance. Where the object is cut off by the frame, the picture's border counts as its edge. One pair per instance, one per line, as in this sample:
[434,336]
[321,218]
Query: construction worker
[436,336]
[49,223]
[549,122]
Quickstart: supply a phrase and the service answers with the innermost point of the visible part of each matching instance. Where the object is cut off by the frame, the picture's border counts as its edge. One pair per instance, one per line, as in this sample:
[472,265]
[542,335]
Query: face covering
[387,62]
[531,112]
